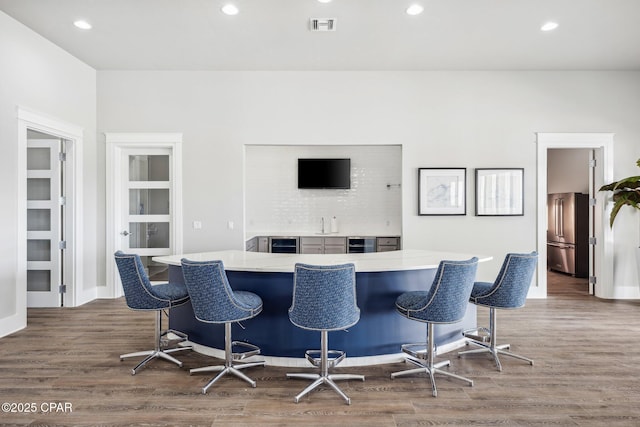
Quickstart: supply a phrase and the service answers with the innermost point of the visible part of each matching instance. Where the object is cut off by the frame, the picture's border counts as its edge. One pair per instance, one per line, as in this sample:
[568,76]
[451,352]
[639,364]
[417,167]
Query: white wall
[441,119]
[37,75]
[274,203]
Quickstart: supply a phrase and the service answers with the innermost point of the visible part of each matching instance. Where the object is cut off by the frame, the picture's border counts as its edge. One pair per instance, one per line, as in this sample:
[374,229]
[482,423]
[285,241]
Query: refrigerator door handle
[560,245]
[555,217]
[557,214]
[561,218]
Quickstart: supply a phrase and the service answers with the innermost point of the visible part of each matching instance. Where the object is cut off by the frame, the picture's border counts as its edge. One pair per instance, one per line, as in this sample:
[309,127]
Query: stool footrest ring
[480,334]
[251,350]
[334,357]
[417,350]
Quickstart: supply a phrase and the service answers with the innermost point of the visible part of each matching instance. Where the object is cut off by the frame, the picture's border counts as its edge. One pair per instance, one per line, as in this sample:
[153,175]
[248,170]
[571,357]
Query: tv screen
[324,173]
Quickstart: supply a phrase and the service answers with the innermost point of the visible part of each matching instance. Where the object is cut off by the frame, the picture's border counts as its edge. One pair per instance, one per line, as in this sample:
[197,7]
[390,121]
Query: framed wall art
[499,192]
[442,191]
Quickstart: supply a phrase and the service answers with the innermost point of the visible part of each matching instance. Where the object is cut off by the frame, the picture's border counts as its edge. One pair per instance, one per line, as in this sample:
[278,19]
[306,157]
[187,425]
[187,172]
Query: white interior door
[144,201]
[596,219]
[45,214]
[146,217]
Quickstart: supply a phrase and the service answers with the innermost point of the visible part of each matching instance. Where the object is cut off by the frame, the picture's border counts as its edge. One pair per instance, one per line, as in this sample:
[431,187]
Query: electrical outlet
[230,225]
[197,225]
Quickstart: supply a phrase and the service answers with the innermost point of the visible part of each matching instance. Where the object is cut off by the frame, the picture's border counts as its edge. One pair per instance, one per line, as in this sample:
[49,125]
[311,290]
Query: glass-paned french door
[146,207]
[45,222]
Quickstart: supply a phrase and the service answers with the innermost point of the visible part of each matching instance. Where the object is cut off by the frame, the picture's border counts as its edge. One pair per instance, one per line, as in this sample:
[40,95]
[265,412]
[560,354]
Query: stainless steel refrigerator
[568,233]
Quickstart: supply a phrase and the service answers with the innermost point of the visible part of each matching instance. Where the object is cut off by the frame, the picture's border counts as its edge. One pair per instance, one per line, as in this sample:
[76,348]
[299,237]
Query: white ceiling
[371,34]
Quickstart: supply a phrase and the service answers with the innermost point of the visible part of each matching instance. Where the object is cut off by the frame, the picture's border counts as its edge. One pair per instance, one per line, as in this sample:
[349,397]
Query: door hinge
[62,157]
[592,280]
[593,241]
[62,244]
[593,201]
[592,163]
[63,201]
[62,289]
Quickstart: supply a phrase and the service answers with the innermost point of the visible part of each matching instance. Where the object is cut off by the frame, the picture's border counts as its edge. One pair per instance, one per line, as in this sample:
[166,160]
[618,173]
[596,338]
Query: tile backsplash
[372,206]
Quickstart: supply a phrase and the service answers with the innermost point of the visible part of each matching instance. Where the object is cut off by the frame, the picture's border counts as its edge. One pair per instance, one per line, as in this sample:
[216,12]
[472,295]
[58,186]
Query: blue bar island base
[381,330]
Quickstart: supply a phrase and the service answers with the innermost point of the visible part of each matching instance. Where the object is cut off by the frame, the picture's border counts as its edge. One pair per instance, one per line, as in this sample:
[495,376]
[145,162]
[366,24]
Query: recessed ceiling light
[324,1]
[230,9]
[549,26]
[414,9]
[82,24]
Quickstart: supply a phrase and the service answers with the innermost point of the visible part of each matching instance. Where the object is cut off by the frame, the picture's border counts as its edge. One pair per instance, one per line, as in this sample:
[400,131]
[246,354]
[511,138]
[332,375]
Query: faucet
[322,222]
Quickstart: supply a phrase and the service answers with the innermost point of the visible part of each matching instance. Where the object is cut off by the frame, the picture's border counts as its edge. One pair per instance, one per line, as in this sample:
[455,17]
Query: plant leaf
[631,182]
[625,192]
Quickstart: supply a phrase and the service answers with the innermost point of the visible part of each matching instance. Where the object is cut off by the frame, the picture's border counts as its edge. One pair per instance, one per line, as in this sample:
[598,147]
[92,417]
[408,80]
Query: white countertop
[409,259]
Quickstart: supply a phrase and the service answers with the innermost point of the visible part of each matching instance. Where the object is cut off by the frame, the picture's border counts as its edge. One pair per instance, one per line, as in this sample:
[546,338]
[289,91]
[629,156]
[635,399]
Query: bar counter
[376,338]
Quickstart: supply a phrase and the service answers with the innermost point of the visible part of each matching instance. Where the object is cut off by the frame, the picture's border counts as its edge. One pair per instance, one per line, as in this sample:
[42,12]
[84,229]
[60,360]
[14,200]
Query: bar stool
[141,295]
[324,299]
[445,302]
[509,291]
[214,301]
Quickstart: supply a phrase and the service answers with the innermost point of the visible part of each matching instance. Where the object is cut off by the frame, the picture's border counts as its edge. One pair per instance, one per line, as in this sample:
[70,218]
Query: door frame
[116,142]
[74,254]
[603,233]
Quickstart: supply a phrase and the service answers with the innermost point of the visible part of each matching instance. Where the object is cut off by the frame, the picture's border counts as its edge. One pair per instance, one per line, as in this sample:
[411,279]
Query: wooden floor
[586,372]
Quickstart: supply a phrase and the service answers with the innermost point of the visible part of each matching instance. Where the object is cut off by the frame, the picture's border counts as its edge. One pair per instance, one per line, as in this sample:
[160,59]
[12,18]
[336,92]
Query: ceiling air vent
[322,24]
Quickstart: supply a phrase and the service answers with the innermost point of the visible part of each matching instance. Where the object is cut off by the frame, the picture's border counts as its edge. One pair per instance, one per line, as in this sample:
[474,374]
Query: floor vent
[322,24]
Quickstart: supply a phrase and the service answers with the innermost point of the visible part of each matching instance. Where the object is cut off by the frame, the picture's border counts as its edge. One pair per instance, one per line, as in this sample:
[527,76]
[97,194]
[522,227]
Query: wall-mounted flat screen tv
[324,173]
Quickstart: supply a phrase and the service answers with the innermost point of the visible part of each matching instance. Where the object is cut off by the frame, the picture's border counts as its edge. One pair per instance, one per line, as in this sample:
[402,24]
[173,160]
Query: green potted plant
[625,192]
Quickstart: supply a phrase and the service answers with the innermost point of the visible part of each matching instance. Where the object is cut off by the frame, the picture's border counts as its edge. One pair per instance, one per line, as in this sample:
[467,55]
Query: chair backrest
[512,284]
[324,297]
[212,298]
[447,299]
[138,291]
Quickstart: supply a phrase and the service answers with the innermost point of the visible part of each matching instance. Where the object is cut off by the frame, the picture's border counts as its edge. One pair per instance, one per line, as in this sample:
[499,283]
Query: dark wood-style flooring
[586,372]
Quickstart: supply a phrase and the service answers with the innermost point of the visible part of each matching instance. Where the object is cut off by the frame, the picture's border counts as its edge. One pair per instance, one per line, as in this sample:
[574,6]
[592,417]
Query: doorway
[569,264]
[600,145]
[144,199]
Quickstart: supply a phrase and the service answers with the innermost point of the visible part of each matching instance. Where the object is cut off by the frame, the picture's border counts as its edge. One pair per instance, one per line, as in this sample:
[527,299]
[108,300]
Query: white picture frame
[499,192]
[442,191]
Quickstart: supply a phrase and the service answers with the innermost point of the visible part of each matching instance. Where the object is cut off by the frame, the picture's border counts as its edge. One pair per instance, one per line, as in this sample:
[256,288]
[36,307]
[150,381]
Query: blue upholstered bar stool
[324,299]
[141,295]
[214,301]
[509,291]
[445,302]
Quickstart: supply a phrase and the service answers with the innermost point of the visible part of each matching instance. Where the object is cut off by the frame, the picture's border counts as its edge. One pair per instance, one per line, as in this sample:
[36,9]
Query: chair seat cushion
[249,300]
[408,302]
[170,291]
[485,294]
[480,289]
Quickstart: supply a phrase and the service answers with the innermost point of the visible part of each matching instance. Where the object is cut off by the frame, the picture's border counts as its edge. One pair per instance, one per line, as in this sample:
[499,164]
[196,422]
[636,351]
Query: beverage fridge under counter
[568,233]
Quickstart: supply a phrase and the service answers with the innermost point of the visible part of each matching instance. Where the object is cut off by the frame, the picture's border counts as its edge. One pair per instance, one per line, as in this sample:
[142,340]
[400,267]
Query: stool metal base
[489,334]
[160,351]
[324,363]
[224,370]
[229,367]
[499,349]
[328,379]
[154,354]
[431,368]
